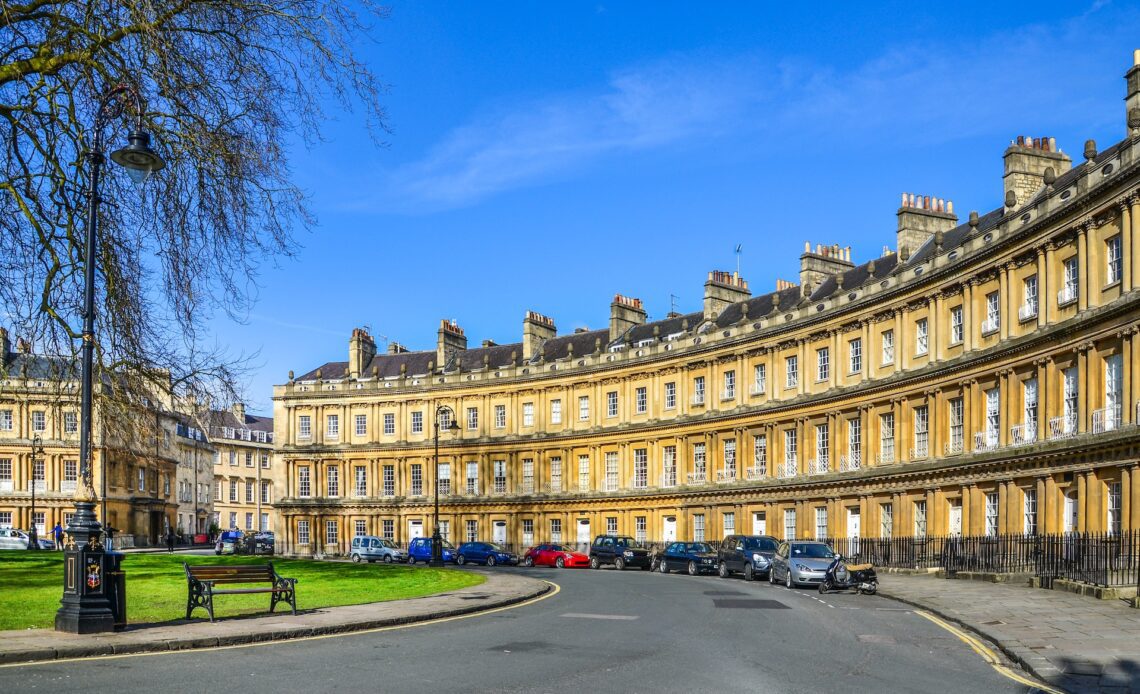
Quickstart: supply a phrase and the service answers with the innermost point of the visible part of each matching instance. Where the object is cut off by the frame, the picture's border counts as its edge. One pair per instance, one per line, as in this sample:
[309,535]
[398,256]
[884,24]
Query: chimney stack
[238,411]
[920,217]
[723,289]
[396,348]
[625,312]
[781,285]
[361,349]
[450,341]
[1026,161]
[537,329]
[825,262]
[1132,95]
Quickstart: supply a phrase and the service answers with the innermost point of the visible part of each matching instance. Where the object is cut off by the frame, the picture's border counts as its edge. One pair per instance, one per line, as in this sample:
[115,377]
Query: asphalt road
[630,631]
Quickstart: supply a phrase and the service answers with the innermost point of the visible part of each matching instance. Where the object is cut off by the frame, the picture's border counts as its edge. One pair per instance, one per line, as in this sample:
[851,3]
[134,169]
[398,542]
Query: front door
[854,526]
[1071,512]
[583,534]
[759,523]
[669,529]
[499,532]
[955,520]
[415,529]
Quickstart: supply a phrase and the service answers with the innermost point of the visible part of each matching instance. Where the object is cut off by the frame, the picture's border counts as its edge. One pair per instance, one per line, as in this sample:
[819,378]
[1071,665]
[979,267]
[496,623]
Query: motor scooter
[843,576]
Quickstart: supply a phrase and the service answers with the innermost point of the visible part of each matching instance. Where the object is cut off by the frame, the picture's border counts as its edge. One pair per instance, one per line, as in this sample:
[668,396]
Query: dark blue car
[693,557]
[419,549]
[484,553]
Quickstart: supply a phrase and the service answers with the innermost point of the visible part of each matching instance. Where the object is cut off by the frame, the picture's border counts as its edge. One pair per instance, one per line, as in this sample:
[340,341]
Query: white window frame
[417,422]
[993,417]
[820,523]
[472,418]
[641,400]
[670,395]
[640,468]
[791,371]
[789,524]
[698,527]
[1029,512]
[389,424]
[361,424]
[921,337]
[1114,268]
[416,481]
[920,518]
[583,408]
[556,411]
[822,364]
[669,466]
[729,379]
[957,326]
[528,414]
[556,474]
[991,518]
[332,426]
[886,520]
[888,340]
[304,482]
[855,355]
[611,404]
[332,480]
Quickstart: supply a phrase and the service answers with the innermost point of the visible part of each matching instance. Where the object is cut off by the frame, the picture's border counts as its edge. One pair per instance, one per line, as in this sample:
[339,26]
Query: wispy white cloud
[933,93]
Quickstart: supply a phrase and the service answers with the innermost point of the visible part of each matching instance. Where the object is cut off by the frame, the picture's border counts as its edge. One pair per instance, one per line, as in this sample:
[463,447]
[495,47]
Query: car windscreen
[444,543]
[556,548]
[760,544]
[628,542]
[698,547]
[812,551]
[494,547]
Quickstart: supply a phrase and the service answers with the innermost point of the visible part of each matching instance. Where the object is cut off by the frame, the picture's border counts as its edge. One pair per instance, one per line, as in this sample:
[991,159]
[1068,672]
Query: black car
[693,557]
[619,550]
[750,555]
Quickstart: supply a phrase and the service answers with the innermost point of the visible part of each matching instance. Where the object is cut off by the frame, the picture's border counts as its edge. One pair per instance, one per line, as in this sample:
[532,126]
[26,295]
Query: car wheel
[529,561]
[461,560]
[663,567]
[560,563]
[619,563]
[594,564]
[356,559]
[823,587]
[693,568]
[490,560]
[722,570]
[387,558]
[788,582]
[749,574]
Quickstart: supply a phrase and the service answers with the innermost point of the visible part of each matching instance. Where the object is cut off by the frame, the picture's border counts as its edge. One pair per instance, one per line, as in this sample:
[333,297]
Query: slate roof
[226,418]
[39,366]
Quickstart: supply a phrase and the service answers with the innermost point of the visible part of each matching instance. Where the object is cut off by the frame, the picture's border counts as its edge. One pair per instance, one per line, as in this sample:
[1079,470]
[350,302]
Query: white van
[370,548]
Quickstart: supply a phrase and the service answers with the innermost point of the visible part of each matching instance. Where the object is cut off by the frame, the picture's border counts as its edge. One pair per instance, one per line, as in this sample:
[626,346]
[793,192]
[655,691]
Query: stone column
[1005,317]
[1083,285]
[1133,494]
[1043,288]
[1048,309]
[1125,247]
[1082,503]
[1083,383]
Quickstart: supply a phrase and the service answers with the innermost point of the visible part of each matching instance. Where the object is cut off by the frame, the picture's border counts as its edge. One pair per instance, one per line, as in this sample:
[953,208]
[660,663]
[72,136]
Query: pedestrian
[170,541]
[57,533]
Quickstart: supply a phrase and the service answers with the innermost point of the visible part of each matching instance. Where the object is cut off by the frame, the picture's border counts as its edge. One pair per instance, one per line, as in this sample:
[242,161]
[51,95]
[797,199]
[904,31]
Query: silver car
[800,562]
[369,548]
[10,538]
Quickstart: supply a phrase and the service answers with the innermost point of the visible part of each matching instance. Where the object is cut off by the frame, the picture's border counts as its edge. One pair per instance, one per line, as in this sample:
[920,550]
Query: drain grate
[751,604]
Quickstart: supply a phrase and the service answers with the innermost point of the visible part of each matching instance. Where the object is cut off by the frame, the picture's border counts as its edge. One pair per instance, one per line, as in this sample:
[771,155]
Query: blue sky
[546,155]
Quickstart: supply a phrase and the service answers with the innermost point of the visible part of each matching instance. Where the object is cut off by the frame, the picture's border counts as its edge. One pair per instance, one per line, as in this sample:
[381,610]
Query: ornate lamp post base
[86,605]
[436,549]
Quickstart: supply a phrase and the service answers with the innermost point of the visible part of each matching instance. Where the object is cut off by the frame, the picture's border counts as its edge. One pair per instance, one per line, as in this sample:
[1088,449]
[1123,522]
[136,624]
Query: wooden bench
[201,581]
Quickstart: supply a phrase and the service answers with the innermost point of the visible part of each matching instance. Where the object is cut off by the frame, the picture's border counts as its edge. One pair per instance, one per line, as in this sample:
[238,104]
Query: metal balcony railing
[850,462]
[1063,427]
[1067,295]
[1106,419]
[991,325]
[5,485]
[698,399]
[756,389]
[1027,312]
[819,466]
[69,486]
[886,456]
[985,441]
[756,472]
[728,394]
[40,486]
[921,448]
[786,469]
[699,477]
[954,445]
[1021,434]
[726,475]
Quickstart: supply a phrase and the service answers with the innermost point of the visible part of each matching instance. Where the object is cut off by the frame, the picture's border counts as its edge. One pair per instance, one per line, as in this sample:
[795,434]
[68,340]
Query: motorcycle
[843,576]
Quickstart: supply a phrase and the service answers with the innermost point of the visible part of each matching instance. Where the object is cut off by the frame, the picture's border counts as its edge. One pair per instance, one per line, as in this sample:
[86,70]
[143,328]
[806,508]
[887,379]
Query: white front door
[583,533]
[415,529]
[499,532]
[759,523]
[1071,512]
[669,529]
[955,520]
[854,528]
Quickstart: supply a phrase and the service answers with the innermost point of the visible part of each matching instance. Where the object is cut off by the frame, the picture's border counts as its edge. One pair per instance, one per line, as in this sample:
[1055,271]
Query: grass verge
[31,584]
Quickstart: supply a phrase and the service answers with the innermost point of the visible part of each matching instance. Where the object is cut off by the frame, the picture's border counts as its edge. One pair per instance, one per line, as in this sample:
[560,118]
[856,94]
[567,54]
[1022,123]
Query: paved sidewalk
[1076,643]
[499,590]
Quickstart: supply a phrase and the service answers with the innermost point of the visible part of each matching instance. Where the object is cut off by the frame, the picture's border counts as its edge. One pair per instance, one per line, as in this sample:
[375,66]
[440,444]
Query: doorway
[1071,512]
[669,529]
[954,526]
[854,528]
[499,532]
[583,534]
[415,529]
[759,523]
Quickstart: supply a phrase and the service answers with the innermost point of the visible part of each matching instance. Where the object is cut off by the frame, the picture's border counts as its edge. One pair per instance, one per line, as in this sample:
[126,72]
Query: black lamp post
[86,604]
[436,538]
[37,455]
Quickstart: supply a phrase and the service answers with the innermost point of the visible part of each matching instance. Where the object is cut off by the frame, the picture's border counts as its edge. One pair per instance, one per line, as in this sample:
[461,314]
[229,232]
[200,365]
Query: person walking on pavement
[57,533]
[170,541]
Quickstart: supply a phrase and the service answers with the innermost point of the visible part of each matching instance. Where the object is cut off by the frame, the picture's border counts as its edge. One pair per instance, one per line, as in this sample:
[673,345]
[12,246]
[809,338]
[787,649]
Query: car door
[780,563]
[669,556]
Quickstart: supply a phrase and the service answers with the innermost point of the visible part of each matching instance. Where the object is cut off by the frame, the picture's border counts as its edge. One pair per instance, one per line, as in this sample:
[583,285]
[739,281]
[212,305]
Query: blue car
[484,553]
[693,557]
[419,549]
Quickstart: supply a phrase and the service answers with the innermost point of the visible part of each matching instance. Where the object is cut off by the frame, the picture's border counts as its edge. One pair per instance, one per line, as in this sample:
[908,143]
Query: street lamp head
[453,427]
[137,157]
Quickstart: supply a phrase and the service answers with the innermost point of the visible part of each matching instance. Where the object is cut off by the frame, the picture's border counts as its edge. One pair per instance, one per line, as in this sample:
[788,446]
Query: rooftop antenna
[739,249]
[673,303]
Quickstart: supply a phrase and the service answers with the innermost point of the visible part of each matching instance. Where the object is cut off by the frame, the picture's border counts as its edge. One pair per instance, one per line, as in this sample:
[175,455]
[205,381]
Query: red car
[554,555]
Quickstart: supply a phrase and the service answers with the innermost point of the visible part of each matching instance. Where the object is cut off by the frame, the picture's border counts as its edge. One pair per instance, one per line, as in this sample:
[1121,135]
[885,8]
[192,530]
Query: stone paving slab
[500,589]
[1073,642]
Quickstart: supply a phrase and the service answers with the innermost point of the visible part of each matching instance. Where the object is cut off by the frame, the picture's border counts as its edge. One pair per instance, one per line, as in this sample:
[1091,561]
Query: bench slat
[234,591]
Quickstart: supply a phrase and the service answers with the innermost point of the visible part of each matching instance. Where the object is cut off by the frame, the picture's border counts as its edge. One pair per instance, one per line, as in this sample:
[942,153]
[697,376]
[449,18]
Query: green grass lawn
[31,585]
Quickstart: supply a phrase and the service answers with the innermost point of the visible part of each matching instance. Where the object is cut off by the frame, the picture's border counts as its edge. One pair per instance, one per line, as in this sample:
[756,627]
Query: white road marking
[585,615]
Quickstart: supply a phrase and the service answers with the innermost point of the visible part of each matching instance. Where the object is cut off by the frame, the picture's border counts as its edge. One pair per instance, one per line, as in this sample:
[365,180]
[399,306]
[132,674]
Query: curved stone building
[979,379]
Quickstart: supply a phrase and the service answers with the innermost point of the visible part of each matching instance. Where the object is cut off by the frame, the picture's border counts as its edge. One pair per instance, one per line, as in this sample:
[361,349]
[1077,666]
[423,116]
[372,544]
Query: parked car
[750,555]
[369,548]
[800,562]
[228,542]
[419,549]
[256,543]
[619,550]
[693,557]
[554,555]
[11,538]
[484,553]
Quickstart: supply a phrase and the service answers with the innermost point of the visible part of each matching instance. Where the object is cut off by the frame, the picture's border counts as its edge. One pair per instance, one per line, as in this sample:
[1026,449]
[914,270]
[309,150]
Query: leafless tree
[225,84]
